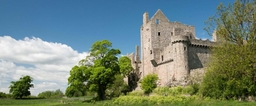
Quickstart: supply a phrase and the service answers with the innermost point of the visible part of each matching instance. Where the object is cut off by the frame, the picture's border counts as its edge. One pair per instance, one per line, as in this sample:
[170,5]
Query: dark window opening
[171,33]
[150,51]
[190,36]
[158,33]
[185,48]
[157,21]
[162,58]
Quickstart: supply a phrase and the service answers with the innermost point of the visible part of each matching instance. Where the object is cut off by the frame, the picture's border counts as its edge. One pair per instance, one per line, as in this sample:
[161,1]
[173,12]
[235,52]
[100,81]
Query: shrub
[148,83]
[152,100]
[4,95]
[174,91]
[51,94]
[118,87]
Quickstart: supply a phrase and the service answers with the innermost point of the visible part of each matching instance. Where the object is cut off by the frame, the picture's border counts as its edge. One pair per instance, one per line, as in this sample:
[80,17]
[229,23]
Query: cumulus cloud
[48,63]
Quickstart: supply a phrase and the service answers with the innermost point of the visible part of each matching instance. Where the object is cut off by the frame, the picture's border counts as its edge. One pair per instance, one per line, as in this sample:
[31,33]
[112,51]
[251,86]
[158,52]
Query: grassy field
[146,101]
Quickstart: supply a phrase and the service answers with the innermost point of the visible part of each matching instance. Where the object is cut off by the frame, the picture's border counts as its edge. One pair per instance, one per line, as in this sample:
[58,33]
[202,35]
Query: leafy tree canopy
[125,65]
[20,88]
[96,72]
[232,70]
[76,81]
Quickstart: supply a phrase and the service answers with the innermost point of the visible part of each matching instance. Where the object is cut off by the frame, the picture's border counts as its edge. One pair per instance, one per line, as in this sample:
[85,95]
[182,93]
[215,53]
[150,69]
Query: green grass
[126,101]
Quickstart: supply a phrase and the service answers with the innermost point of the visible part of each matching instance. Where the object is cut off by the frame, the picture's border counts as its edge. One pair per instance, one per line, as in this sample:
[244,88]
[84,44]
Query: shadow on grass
[28,98]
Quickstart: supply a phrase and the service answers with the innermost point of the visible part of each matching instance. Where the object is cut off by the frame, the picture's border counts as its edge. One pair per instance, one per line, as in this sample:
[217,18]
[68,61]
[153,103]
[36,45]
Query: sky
[46,38]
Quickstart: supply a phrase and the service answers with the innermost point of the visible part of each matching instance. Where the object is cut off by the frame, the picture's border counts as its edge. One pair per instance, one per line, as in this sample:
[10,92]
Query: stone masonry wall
[170,49]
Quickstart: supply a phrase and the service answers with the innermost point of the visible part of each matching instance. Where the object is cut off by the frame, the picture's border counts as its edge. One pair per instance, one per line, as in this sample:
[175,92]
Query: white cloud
[47,62]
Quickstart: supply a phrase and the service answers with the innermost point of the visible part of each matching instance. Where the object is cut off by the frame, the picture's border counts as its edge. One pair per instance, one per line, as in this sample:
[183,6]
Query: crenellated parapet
[201,43]
[179,39]
[193,42]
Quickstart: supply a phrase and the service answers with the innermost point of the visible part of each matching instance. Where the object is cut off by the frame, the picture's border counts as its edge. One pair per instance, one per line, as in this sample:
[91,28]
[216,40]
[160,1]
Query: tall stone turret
[145,18]
[180,56]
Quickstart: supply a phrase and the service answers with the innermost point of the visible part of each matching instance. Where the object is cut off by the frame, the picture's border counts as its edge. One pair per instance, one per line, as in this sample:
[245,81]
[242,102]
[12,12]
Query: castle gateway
[170,50]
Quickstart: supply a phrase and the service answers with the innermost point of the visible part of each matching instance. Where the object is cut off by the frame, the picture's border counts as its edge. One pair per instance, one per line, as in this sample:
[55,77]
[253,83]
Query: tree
[20,88]
[118,87]
[76,82]
[51,94]
[125,65]
[148,83]
[235,23]
[98,69]
[232,70]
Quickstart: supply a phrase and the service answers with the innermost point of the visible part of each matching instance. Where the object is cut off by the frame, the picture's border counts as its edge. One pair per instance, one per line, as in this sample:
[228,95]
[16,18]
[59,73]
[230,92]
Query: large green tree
[20,88]
[232,70]
[99,69]
[76,82]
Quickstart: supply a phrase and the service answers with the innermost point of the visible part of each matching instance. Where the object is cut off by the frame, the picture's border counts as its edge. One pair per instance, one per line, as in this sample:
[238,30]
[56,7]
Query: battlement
[179,39]
[203,43]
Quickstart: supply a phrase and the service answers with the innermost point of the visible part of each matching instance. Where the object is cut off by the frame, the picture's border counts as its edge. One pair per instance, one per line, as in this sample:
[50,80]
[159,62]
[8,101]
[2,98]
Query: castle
[169,49]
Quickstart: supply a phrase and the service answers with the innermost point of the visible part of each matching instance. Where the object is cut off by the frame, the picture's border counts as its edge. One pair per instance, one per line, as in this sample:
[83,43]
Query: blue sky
[79,23]
[46,38]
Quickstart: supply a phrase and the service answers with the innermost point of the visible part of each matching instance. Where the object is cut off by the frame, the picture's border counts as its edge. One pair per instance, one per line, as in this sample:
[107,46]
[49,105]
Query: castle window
[150,51]
[158,33]
[185,48]
[171,33]
[190,36]
[157,21]
[162,58]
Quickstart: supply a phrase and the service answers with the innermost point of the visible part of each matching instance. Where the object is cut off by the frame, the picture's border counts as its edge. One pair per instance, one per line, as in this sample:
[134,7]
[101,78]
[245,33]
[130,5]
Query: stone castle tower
[169,49]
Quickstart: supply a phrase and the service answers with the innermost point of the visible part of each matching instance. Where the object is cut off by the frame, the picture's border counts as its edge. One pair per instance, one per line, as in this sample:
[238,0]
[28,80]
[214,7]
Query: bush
[192,89]
[136,93]
[152,100]
[148,83]
[51,94]
[118,87]
[4,95]
[231,73]
[174,91]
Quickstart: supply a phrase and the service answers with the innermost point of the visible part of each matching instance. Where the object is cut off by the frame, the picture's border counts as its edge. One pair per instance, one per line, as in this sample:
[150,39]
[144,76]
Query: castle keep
[169,49]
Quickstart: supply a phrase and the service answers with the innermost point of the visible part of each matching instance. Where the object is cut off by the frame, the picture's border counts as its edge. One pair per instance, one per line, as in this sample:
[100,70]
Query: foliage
[118,87]
[4,95]
[136,93]
[20,88]
[148,83]
[195,80]
[99,69]
[175,91]
[104,68]
[235,23]
[232,73]
[152,100]
[126,101]
[51,94]
[76,82]
[125,65]
[232,70]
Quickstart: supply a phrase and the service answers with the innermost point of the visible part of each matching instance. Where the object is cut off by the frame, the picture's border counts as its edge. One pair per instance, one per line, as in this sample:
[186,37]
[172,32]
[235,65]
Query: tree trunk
[101,92]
